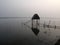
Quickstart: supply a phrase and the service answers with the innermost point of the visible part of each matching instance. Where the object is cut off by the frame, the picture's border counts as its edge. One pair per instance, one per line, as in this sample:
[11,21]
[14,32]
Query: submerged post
[35,24]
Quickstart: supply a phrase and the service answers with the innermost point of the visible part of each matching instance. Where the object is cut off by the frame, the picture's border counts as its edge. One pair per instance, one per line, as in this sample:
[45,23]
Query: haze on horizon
[26,8]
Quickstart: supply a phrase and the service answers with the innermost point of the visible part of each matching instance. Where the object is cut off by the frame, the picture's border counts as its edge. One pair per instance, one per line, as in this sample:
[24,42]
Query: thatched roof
[35,16]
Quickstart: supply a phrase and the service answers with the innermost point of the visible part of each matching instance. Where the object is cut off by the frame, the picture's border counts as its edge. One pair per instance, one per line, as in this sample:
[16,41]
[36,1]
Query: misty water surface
[13,31]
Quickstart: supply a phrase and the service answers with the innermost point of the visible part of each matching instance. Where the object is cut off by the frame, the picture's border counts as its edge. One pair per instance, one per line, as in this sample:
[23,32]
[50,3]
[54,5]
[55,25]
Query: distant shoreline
[27,17]
[12,17]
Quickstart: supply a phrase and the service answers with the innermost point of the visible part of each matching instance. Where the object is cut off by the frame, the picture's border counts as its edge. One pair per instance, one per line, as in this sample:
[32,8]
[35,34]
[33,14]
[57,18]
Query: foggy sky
[26,8]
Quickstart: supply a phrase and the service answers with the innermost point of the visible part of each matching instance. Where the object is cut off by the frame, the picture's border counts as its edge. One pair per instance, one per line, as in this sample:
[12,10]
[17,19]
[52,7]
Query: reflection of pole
[37,24]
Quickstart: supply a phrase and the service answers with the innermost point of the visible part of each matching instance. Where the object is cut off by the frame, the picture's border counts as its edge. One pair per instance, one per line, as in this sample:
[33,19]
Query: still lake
[14,32]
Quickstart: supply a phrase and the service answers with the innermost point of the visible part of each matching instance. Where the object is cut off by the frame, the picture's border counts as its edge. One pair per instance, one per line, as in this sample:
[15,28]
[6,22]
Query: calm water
[14,32]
